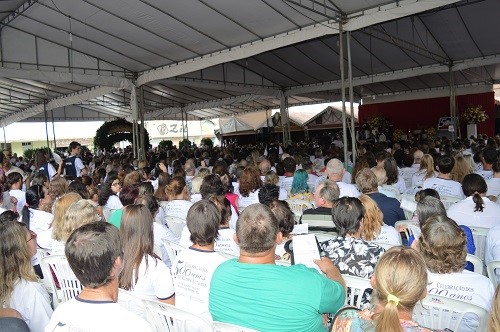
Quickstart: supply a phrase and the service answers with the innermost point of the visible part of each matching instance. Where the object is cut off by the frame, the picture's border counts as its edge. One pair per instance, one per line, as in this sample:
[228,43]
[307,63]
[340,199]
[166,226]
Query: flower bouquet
[474,115]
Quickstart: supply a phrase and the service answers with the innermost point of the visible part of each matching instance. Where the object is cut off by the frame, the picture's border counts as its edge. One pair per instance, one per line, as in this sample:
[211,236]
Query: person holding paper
[253,292]
[349,252]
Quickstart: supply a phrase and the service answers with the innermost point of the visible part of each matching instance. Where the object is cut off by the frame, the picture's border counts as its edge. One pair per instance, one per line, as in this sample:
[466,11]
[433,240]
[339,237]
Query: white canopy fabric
[195,59]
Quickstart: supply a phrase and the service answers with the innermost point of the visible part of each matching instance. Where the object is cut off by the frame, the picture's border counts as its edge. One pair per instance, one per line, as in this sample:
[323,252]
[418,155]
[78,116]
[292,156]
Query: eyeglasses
[32,236]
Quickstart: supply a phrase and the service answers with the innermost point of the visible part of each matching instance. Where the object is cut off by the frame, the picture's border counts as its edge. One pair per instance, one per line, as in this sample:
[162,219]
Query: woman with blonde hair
[58,187]
[426,171]
[374,229]
[461,169]
[494,321]
[144,274]
[79,213]
[46,238]
[20,289]
[399,282]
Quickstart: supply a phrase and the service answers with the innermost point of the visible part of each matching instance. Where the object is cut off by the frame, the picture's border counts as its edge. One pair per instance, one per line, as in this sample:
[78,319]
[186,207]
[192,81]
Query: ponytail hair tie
[393,298]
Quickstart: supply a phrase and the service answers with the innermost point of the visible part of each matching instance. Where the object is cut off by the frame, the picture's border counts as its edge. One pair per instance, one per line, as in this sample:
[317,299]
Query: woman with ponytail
[476,210]
[36,219]
[399,281]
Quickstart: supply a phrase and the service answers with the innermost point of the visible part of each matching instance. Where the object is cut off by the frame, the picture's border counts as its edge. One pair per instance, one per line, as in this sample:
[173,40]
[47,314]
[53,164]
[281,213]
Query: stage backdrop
[425,113]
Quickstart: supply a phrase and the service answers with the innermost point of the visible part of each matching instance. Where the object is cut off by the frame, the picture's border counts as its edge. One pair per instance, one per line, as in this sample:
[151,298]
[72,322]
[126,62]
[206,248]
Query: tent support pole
[142,144]
[53,129]
[285,123]
[134,137]
[182,122]
[46,125]
[453,107]
[187,129]
[351,98]
[342,89]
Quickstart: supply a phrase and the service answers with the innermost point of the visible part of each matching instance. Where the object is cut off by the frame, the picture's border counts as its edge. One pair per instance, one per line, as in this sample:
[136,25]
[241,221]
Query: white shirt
[252,198]
[464,286]
[33,303]
[113,203]
[493,186]
[20,196]
[486,174]
[347,189]
[463,213]
[492,250]
[155,282]
[83,315]
[177,208]
[224,242]
[40,220]
[417,179]
[192,272]
[286,183]
[389,235]
[444,187]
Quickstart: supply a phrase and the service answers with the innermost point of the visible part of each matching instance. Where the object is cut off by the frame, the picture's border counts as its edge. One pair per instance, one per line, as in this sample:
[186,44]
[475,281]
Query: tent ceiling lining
[52,50]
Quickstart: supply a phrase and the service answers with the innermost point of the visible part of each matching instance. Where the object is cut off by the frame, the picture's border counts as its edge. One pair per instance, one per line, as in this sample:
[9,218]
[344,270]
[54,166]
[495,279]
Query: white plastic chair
[132,303]
[439,312]
[477,263]
[226,327]
[172,249]
[490,268]
[41,253]
[479,236]
[357,287]
[297,206]
[166,317]
[175,224]
[318,222]
[69,286]
[408,205]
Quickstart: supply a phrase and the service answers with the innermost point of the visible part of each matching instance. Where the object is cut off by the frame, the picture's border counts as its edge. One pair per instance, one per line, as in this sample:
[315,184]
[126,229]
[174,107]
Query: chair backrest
[439,312]
[476,262]
[132,303]
[68,283]
[407,227]
[226,327]
[490,268]
[172,249]
[166,317]
[106,213]
[408,205]
[297,206]
[355,289]
[318,222]
[479,236]
[175,224]
[386,246]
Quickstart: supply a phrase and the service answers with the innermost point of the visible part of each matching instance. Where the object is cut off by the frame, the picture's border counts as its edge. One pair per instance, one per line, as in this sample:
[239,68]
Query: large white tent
[197,59]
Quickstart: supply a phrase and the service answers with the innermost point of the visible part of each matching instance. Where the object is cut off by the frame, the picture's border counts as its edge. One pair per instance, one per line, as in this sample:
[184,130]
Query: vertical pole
[142,144]
[4,137]
[53,129]
[182,123]
[351,98]
[342,88]
[453,109]
[285,124]
[46,125]
[133,109]
[187,129]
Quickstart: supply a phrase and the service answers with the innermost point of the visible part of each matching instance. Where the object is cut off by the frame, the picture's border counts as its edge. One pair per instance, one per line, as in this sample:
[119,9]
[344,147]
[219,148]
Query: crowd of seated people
[232,201]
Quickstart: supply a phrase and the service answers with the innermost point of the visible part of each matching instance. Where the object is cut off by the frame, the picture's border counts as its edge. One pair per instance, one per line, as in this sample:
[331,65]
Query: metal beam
[52,76]
[355,21]
[66,100]
[17,12]
[396,75]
